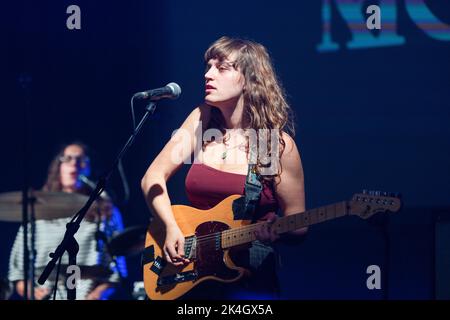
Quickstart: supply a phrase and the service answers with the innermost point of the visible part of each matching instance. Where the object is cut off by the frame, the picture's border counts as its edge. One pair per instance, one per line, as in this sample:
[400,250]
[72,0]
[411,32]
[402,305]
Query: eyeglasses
[81,160]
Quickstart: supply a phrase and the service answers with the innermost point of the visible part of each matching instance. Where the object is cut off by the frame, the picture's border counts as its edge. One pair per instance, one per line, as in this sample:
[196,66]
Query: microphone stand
[69,243]
[32,251]
[24,82]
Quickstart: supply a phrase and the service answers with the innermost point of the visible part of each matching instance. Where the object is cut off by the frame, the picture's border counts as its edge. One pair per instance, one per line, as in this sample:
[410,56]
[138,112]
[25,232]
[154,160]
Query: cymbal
[48,205]
[129,242]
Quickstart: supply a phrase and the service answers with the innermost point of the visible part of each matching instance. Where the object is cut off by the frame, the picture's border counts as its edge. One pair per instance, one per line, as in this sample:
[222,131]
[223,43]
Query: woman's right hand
[174,247]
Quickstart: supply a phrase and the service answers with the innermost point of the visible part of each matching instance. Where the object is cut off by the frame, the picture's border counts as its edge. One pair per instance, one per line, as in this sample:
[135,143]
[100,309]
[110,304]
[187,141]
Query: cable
[133,119]
[126,187]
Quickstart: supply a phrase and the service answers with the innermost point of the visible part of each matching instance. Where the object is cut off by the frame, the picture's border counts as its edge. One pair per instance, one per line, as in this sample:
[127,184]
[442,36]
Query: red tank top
[207,186]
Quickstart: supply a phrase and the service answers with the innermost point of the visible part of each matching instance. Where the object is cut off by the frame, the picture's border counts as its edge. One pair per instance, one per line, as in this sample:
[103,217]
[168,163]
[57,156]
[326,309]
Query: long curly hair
[53,183]
[265,105]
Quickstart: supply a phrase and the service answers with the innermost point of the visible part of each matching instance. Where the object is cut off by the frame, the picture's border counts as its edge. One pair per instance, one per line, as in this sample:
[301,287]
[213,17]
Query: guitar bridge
[177,278]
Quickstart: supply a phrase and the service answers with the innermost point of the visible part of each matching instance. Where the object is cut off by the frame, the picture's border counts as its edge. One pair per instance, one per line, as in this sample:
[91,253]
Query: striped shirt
[49,234]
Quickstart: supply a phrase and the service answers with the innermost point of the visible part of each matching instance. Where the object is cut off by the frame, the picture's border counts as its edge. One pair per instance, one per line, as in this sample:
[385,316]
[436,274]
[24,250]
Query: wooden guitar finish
[210,234]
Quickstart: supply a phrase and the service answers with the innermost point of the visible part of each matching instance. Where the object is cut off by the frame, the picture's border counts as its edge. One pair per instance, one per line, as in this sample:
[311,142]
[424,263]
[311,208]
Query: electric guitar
[210,234]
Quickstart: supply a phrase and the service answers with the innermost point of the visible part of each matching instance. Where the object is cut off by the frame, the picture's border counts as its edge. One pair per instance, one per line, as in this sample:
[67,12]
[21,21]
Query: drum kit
[54,205]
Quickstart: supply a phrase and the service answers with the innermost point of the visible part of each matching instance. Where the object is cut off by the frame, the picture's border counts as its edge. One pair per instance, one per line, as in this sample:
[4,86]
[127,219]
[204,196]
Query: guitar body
[209,262]
[210,233]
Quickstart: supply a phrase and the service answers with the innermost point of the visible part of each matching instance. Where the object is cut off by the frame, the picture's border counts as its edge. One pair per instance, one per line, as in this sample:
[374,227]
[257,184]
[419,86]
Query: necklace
[225,153]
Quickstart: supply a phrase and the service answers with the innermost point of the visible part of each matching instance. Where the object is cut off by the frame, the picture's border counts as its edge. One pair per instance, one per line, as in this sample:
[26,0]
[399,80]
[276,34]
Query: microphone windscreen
[176,90]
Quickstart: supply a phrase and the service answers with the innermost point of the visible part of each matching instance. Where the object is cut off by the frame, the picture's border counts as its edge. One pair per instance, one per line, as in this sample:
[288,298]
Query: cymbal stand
[32,252]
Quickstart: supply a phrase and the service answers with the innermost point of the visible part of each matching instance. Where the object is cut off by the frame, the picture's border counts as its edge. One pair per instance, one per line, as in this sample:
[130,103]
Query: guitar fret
[238,236]
[322,215]
[312,215]
[246,234]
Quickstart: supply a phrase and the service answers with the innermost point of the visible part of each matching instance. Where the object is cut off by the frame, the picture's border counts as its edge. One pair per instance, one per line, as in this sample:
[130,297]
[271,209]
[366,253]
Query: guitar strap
[244,207]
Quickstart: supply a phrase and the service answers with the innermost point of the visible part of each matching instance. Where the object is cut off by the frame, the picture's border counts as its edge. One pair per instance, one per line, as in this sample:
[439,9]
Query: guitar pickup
[177,278]
[190,247]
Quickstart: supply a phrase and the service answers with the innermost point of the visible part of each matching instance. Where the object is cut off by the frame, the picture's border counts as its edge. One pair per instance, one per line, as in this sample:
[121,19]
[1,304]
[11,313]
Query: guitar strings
[210,237]
[232,232]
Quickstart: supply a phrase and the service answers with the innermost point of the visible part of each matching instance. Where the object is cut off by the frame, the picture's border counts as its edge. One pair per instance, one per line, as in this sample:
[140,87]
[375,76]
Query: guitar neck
[246,234]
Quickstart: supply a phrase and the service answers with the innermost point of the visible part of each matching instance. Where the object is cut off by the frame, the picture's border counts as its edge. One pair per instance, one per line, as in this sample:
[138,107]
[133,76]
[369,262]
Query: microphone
[92,185]
[87,181]
[170,91]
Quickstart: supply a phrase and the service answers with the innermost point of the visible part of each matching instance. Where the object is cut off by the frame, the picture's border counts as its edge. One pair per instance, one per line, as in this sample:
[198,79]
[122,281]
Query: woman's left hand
[267,233]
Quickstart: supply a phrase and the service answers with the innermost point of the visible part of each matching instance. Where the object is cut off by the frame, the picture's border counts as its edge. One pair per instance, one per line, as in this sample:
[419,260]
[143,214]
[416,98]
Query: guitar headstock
[368,203]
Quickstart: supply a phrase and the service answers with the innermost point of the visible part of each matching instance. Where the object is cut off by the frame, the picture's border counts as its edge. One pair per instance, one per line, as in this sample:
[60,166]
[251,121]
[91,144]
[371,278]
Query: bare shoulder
[181,144]
[290,182]
[290,149]
[200,113]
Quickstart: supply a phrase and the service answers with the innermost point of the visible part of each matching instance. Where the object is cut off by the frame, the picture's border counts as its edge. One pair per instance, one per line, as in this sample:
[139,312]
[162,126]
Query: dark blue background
[375,118]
